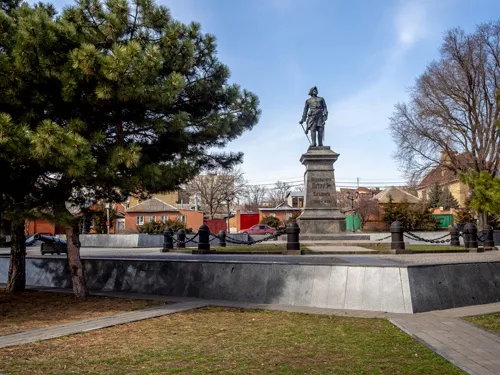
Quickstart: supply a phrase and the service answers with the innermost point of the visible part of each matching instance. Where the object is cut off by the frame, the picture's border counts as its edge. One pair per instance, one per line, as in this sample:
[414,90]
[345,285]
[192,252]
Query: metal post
[455,236]
[470,232]
[489,241]
[397,238]
[181,239]
[168,241]
[203,239]
[222,238]
[292,239]
[465,231]
[107,216]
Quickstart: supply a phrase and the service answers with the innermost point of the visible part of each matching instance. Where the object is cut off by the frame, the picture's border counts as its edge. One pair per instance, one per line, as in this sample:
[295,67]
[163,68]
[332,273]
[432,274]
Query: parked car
[259,229]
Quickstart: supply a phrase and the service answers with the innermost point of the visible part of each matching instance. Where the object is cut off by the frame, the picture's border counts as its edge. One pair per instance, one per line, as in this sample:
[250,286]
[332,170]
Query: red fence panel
[248,220]
[216,225]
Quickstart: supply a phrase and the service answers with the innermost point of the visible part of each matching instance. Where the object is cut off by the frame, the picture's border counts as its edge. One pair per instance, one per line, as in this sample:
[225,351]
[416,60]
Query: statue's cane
[305,133]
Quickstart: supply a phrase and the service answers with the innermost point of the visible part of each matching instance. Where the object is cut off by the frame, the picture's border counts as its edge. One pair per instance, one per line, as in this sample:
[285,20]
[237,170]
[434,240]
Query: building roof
[299,193]
[152,205]
[443,174]
[439,175]
[280,207]
[398,196]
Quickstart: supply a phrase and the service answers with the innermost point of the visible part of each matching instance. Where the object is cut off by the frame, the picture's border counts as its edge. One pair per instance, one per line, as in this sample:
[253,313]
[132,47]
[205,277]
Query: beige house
[444,177]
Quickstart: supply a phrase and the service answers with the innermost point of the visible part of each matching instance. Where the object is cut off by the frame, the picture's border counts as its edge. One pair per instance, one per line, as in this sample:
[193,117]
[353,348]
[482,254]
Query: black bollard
[397,238]
[489,241]
[292,239]
[203,240]
[455,236]
[466,235]
[168,240]
[470,234]
[222,238]
[181,239]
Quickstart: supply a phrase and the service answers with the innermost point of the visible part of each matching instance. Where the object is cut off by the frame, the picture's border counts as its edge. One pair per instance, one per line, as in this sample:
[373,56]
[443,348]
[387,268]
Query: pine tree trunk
[75,264]
[482,220]
[17,267]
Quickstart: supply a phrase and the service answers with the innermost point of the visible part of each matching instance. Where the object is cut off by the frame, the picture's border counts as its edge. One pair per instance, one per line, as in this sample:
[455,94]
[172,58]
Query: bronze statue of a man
[316,113]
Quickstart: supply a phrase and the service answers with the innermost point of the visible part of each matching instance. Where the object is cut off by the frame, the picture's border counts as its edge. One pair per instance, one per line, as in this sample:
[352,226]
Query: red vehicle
[259,229]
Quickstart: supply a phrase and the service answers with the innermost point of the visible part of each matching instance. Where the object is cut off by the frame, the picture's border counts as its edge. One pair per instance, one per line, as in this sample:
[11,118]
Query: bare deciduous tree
[278,193]
[367,208]
[218,189]
[254,197]
[452,117]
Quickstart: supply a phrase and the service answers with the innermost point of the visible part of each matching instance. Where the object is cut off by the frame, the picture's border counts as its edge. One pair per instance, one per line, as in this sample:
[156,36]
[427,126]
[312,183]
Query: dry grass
[231,341]
[491,322]
[33,309]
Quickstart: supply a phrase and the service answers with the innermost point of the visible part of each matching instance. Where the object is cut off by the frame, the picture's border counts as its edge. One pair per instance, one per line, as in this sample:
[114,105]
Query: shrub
[272,221]
[464,215]
[413,216]
[158,227]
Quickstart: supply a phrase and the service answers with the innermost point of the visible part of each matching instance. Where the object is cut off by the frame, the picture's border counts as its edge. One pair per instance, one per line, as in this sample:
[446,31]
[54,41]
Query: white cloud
[411,21]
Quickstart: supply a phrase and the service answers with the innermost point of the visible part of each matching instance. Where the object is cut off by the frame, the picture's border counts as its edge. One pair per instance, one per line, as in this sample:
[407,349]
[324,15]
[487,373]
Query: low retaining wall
[139,240]
[397,289]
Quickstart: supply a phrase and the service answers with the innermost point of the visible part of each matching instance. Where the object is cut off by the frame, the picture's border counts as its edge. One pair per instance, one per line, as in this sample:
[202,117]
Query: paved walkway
[474,350]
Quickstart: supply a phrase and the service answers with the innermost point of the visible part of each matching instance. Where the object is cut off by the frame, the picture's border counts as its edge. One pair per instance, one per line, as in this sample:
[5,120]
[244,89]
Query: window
[182,218]
[151,219]
[272,215]
[164,219]
[288,215]
[139,220]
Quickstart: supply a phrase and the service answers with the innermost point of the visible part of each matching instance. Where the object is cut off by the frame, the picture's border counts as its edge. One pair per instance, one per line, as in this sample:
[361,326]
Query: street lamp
[352,199]
[107,206]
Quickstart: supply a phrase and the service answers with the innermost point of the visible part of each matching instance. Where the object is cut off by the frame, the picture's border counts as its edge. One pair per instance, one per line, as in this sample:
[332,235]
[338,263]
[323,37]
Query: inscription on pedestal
[320,191]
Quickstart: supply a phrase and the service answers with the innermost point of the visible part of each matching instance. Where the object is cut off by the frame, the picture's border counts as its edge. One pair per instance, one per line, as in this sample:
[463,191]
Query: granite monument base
[321,214]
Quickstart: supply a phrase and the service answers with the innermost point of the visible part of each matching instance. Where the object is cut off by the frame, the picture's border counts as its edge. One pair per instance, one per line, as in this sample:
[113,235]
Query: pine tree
[486,188]
[389,211]
[113,98]
[447,200]
[435,196]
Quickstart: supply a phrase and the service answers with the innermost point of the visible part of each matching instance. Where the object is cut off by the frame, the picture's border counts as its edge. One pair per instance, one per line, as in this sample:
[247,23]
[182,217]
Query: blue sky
[361,54]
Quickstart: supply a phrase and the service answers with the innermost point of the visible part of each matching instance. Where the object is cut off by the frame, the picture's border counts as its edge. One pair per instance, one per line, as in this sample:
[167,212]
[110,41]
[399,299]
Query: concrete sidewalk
[469,347]
[473,349]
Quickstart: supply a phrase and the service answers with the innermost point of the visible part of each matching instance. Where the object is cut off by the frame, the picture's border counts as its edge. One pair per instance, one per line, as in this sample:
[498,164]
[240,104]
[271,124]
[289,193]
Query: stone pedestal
[321,215]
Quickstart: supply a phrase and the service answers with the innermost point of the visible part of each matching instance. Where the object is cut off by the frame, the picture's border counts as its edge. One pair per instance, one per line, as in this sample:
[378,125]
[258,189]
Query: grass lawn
[232,341]
[491,322]
[33,309]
